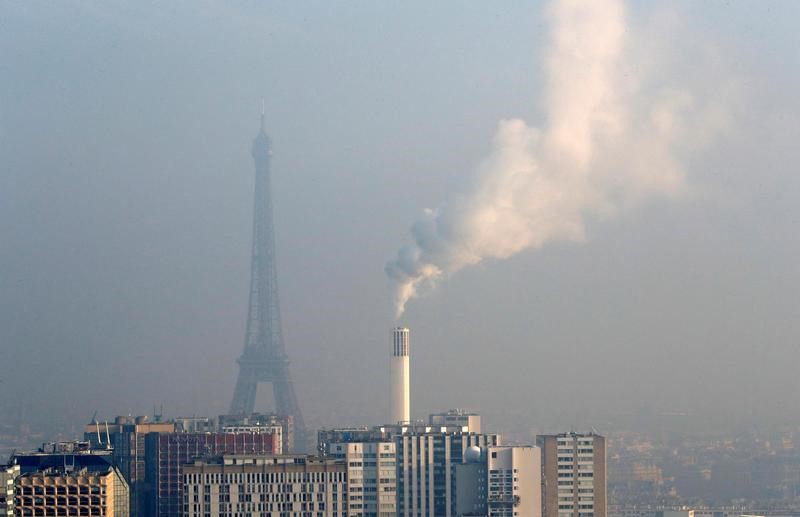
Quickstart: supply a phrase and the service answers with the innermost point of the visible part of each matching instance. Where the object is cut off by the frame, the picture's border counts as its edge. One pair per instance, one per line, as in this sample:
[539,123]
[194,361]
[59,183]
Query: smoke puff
[609,144]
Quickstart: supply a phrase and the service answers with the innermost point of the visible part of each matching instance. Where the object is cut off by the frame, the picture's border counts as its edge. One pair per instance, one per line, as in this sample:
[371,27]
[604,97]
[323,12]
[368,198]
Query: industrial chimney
[400,377]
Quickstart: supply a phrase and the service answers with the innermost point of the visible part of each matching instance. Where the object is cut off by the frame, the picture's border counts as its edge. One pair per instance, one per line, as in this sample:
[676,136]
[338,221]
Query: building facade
[194,424]
[259,423]
[573,474]
[371,477]
[426,461]
[457,418]
[8,474]
[499,482]
[72,492]
[253,485]
[127,438]
[514,481]
[167,453]
[328,437]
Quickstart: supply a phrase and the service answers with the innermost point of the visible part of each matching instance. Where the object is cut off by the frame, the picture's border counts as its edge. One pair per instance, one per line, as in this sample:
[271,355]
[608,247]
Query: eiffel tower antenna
[263,112]
[264,358]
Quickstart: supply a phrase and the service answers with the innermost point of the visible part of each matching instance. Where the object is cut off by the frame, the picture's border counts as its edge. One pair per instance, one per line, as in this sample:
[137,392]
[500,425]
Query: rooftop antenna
[263,112]
[108,437]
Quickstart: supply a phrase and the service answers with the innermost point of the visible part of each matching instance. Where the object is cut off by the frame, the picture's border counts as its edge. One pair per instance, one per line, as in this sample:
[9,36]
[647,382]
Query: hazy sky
[126,204]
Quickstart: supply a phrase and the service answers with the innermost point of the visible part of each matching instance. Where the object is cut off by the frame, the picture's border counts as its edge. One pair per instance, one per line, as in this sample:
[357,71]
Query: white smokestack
[615,134]
[399,378]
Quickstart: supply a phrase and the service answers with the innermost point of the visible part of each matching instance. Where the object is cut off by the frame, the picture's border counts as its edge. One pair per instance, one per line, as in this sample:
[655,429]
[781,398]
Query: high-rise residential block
[427,457]
[573,474]
[514,481]
[371,477]
[502,481]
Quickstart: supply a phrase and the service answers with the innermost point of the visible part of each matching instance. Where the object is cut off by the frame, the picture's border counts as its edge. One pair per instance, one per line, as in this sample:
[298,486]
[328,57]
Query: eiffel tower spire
[264,358]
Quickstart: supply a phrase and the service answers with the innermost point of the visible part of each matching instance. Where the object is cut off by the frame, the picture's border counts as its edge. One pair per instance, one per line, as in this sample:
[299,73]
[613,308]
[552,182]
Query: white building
[290,486]
[514,482]
[500,482]
[457,417]
[427,459]
[371,477]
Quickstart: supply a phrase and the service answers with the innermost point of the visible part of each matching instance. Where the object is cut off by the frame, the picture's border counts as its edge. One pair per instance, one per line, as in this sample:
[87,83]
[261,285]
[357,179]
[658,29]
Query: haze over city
[667,282]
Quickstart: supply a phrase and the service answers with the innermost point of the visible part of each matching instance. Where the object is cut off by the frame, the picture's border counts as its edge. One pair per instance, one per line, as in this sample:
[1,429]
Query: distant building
[259,423]
[64,491]
[60,455]
[166,453]
[679,511]
[100,434]
[127,438]
[194,424]
[8,474]
[457,417]
[371,477]
[573,475]
[326,437]
[289,486]
[499,482]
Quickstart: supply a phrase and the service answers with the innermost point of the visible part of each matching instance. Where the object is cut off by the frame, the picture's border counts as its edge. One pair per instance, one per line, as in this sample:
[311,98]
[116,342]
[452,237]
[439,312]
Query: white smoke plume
[611,139]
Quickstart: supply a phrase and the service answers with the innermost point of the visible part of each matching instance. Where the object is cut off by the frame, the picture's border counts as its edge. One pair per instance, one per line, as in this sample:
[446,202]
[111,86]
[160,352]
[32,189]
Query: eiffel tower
[264,358]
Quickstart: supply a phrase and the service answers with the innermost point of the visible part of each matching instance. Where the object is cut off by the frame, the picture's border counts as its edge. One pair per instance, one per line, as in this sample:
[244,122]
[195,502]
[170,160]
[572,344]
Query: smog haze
[126,202]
